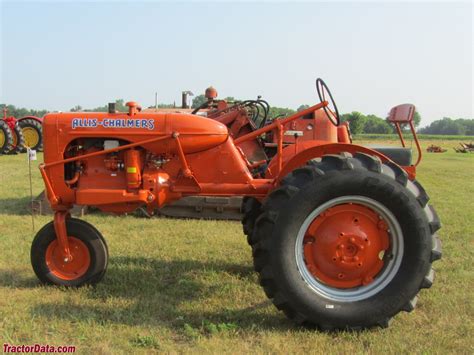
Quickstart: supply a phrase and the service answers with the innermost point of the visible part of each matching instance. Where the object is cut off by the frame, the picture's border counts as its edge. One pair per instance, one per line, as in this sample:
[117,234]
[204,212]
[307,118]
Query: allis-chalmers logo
[113,123]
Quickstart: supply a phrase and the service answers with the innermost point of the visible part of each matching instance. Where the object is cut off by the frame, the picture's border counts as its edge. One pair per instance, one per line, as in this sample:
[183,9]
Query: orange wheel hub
[71,269]
[344,245]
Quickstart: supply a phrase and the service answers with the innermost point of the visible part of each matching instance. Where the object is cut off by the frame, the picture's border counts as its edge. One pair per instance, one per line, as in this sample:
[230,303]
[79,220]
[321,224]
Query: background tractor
[16,134]
[11,136]
[342,236]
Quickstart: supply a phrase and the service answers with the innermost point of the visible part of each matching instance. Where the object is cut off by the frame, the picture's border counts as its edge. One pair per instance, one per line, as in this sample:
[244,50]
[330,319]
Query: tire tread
[290,185]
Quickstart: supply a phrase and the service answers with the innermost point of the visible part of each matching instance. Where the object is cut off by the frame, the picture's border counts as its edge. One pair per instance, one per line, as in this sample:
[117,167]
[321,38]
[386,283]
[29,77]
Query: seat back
[402,113]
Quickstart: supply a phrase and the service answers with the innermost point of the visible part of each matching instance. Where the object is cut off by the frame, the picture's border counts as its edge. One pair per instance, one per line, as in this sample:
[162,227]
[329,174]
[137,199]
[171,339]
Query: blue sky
[372,55]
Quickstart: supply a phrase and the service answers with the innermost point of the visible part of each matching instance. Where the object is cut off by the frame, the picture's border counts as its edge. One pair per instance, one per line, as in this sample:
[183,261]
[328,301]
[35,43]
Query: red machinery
[341,235]
[11,136]
[16,134]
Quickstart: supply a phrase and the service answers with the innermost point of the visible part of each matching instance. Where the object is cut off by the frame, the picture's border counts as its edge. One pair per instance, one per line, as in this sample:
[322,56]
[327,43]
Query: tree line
[359,122]
[14,111]
[447,125]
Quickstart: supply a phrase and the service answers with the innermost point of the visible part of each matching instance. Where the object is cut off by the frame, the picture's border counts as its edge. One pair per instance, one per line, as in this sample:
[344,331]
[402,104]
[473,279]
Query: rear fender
[38,119]
[306,153]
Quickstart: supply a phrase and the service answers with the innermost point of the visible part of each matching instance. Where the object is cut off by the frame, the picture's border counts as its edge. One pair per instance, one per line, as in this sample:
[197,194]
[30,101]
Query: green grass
[188,285]
[381,136]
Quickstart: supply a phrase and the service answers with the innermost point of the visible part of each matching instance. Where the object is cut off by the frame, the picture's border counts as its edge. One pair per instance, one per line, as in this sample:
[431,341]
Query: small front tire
[89,255]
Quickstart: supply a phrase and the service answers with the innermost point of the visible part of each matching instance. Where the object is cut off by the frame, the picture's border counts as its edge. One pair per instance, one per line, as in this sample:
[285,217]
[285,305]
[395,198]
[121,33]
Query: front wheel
[346,243]
[88,249]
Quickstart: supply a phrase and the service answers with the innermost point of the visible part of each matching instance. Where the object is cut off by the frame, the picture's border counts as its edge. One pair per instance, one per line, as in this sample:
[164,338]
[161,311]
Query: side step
[204,207]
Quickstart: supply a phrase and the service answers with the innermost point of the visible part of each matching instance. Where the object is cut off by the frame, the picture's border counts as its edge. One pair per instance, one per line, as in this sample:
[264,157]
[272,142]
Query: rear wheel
[88,249]
[32,132]
[6,138]
[346,243]
[18,140]
[251,209]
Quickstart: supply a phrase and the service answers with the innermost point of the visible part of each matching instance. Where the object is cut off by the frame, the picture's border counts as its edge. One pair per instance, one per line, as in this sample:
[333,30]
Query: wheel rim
[349,248]
[2,138]
[31,137]
[15,140]
[72,269]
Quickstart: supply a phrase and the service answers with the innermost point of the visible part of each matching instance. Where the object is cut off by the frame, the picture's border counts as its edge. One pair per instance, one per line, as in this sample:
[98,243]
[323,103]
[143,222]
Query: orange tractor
[242,117]
[342,236]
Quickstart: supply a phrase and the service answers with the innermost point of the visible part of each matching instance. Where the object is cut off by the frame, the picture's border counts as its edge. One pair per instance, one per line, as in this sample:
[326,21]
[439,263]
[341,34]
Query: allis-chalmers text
[113,123]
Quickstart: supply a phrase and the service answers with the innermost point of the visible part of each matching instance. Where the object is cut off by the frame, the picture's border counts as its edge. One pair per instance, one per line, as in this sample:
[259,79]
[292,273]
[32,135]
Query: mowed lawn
[188,285]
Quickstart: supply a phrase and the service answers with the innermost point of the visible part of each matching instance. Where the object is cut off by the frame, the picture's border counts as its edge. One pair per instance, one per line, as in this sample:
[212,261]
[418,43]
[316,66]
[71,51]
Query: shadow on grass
[18,206]
[159,292]
[15,279]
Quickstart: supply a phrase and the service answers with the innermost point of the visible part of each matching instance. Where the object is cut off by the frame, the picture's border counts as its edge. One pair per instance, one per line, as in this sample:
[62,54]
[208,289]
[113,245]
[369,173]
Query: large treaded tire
[18,140]
[37,127]
[7,138]
[87,234]
[301,192]
[251,209]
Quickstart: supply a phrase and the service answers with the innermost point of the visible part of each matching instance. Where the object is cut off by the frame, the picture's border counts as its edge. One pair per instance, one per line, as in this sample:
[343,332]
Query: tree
[21,112]
[447,125]
[374,124]
[468,125]
[356,121]
[416,119]
[76,108]
[280,112]
[119,106]
[302,107]
[164,106]
[198,101]
[416,122]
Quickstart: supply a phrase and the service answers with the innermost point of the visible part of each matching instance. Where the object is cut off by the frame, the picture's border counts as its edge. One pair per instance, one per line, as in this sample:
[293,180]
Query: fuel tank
[196,133]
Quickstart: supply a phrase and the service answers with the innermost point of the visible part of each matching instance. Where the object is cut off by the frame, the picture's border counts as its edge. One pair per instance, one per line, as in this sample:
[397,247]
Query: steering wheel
[325,95]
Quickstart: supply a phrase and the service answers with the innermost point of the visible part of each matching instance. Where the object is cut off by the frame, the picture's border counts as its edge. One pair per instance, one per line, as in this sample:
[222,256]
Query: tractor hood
[196,133]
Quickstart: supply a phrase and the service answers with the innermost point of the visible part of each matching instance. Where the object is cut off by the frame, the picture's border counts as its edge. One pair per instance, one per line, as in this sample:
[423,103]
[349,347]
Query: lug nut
[309,240]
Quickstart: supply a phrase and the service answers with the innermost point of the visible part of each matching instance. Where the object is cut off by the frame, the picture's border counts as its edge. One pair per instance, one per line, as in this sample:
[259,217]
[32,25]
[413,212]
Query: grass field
[424,137]
[189,286]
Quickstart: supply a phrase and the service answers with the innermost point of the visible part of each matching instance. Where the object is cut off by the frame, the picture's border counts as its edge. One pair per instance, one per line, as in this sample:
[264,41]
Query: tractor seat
[401,156]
